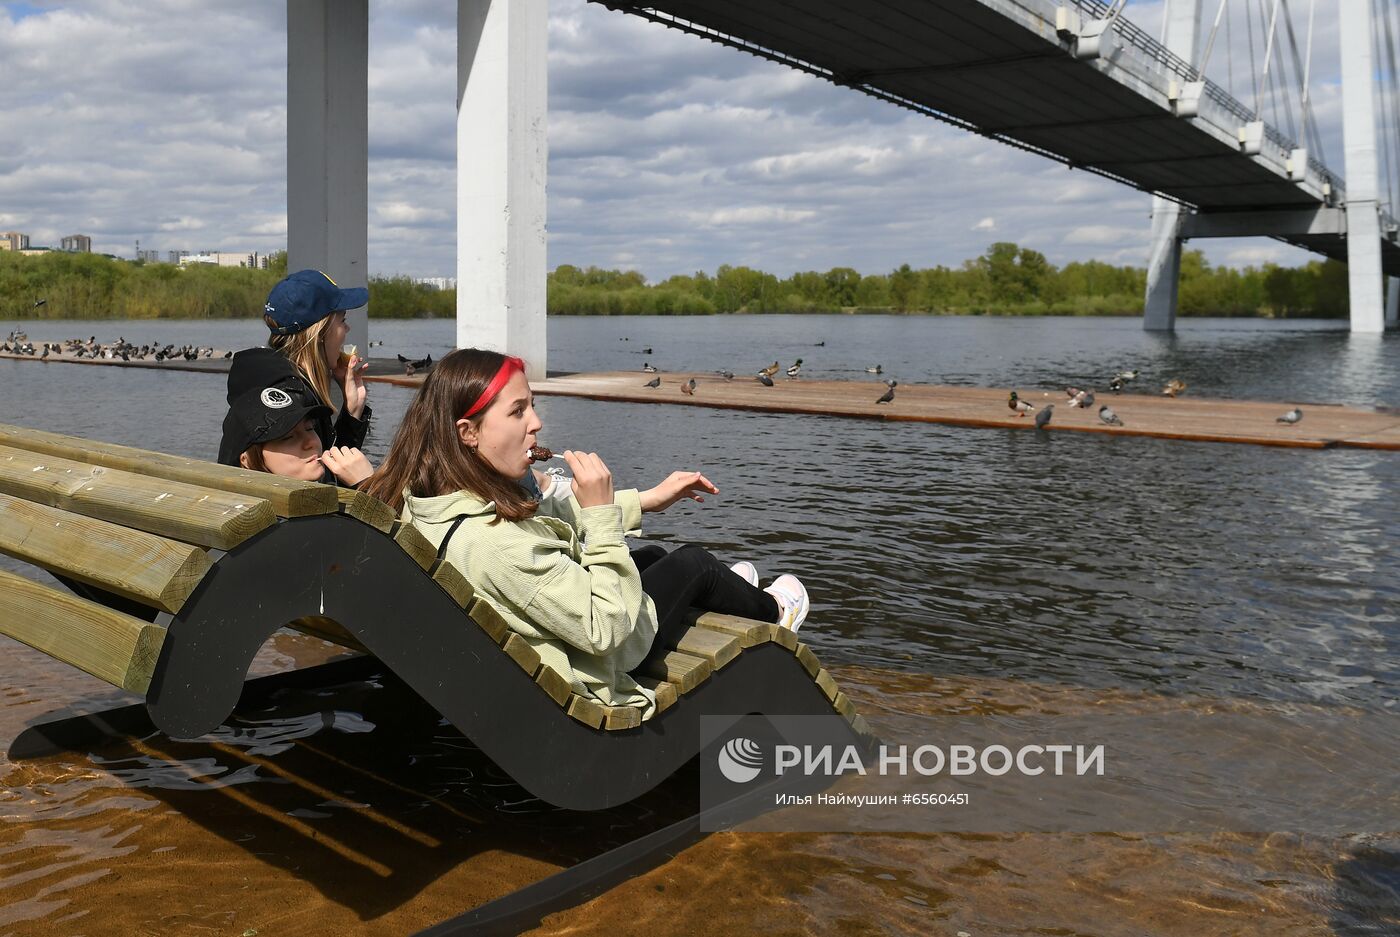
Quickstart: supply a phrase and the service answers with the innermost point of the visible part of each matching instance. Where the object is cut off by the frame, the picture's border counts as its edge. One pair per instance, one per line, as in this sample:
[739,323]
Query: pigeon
[1174,387]
[764,379]
[1015,403]
[888,395]
[654,382]
[1077,398]
[1087,401]
[688,388]
[795,369]
[1072,392]
[891,383]
[727,375]
[408,369]
[46,352]
[647,368]
[1108,416]
[1291,417]
[1042,419]
[875,370]
[770,370]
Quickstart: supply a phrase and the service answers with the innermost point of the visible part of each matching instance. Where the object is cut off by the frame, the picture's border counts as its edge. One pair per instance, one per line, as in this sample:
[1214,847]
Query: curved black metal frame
[336,566]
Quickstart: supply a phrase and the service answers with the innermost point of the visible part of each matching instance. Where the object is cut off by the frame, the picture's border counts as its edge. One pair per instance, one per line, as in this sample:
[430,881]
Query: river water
[952,571]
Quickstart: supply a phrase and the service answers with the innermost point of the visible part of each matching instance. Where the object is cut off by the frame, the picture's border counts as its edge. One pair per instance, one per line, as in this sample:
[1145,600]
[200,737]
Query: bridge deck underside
[964,59]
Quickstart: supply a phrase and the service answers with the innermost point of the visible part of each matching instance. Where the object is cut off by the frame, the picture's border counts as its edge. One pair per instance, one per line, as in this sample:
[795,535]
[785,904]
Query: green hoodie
[563,580]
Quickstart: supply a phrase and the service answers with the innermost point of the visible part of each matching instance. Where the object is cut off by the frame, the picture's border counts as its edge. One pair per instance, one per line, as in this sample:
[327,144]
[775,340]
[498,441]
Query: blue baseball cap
[305,298]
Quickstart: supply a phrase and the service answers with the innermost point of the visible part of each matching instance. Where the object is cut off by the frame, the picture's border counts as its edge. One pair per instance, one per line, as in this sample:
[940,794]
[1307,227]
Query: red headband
[508,367]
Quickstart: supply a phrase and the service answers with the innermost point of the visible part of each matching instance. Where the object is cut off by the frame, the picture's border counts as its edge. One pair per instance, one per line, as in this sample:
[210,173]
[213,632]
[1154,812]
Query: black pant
[691,577]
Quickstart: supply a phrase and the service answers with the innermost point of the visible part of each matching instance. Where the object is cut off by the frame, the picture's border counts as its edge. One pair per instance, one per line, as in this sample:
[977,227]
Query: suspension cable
[1210,43]
[1253,72]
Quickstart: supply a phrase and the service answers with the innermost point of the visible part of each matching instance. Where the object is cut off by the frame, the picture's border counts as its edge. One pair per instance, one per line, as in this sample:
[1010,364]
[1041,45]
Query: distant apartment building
[150,257]
[176,257]
[77,244]
[224,259]
[437,283]
[14,241]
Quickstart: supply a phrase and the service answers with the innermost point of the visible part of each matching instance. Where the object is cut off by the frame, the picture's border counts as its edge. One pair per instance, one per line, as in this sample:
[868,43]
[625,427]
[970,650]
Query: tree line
[1005,280]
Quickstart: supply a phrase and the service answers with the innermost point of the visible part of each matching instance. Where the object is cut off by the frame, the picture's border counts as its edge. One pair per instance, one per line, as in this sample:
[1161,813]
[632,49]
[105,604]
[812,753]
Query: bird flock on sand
[18,343]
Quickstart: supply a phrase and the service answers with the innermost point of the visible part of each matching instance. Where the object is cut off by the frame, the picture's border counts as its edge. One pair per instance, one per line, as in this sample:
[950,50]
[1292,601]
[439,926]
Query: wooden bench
[161,555]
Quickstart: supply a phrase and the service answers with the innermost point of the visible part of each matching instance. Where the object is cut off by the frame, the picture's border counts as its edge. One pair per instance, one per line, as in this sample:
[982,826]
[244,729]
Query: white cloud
[124,121]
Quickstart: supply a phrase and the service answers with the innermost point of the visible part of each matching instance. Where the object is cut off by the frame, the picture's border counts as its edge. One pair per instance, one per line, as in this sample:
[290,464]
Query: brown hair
[428,458]
[303,349]
[255,458]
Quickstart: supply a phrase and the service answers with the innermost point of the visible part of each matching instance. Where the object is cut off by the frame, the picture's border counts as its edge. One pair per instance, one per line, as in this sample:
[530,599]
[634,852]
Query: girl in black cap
[273,424]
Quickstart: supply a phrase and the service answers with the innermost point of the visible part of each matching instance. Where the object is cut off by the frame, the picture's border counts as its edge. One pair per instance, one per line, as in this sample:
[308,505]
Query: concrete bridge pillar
[1359,135]
[1164,261]
[1392,303]
[328,144]
[502,155]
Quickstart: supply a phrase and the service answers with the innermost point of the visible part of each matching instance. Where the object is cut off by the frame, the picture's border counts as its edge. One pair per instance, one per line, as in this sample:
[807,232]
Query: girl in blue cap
[306,315]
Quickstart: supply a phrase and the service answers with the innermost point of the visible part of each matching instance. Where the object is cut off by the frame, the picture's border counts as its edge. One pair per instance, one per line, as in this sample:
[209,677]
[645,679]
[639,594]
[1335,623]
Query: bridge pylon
[1183,30]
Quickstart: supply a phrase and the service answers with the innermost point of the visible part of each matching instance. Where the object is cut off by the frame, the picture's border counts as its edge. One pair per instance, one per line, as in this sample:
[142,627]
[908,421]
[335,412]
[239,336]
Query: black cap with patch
[267,400]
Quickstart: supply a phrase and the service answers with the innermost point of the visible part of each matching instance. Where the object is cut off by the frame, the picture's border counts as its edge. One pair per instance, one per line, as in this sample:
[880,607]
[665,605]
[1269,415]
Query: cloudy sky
[164,121]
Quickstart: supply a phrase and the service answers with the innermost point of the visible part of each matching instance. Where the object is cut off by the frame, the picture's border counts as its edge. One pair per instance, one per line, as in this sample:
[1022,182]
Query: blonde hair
[303,349]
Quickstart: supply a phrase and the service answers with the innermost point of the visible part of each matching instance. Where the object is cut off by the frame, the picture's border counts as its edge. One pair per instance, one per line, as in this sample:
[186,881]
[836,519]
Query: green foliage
[1005,280]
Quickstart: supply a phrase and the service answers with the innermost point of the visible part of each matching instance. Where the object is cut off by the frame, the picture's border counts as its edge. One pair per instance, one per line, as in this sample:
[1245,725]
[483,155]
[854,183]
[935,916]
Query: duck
[763,379]
[770,370]
[875,370]
[795,369]
[647,368]
[1014,402]
[1174,387]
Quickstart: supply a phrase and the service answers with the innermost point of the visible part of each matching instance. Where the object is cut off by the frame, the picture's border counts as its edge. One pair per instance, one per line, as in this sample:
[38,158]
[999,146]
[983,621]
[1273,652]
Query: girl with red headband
[557,568]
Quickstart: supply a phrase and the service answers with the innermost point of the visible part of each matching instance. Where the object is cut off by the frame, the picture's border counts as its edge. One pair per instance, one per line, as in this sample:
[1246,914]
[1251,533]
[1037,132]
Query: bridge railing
[1097,9]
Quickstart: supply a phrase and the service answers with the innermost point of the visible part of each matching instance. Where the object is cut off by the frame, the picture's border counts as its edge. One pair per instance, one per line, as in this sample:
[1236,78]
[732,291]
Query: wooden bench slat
[173,509]
[827,684]
[109,645]
[666,692]
[412,541]
[522,653]
[455,584]
[142,567]
[489,619]
[749,632]
[684,670]
[808,660]
[553,683]
[718,649]
[364,508]
[289,497]
[786,637]
[621,717]
[587,711]
[843,705]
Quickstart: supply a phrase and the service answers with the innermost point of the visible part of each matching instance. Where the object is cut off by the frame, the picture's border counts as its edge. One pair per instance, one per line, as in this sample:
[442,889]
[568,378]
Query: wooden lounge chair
[179,570]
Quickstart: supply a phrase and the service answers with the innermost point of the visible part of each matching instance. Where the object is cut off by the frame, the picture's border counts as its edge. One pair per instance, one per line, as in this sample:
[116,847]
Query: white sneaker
[792,600]
[747,572]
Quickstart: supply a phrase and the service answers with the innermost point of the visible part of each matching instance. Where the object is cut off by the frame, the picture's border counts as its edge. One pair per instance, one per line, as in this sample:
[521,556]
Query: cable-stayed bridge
[1072,80]
[1080,83]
